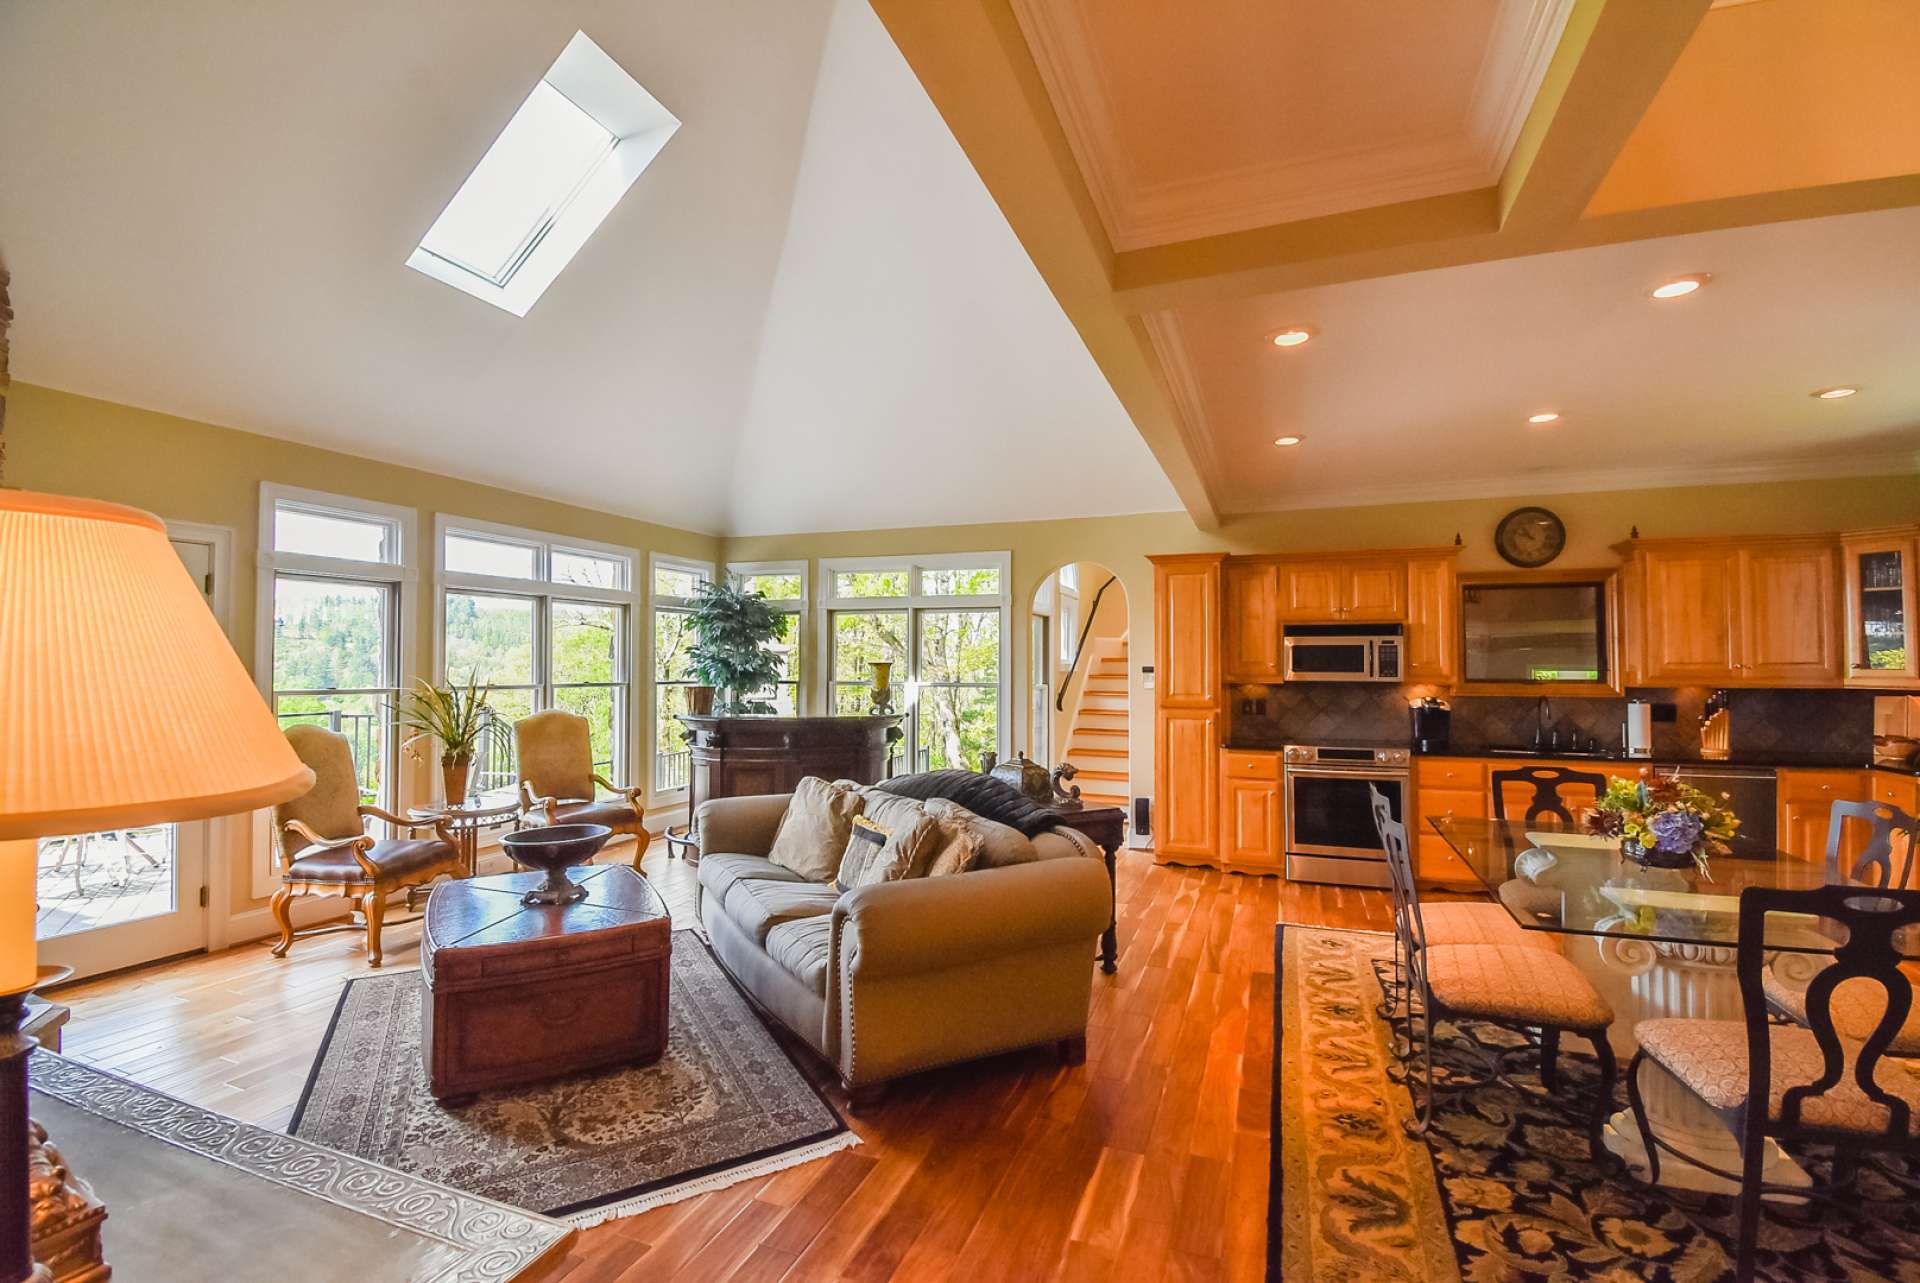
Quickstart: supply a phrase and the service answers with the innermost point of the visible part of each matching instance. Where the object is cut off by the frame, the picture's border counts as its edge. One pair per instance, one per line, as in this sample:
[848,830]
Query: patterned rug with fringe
[724,1104]
[1502,1187]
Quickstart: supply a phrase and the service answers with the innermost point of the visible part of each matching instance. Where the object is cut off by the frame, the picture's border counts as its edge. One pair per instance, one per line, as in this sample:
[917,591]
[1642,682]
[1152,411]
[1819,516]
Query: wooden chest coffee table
[516,993]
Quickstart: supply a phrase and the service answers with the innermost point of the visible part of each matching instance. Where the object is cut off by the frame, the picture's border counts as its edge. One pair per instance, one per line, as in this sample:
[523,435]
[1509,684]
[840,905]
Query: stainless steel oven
[1329,816]
[1341,653]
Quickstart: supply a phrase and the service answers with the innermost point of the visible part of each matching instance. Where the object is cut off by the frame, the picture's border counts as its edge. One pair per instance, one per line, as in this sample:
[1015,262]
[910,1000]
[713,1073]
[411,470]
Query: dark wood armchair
[558,784]
[325,849]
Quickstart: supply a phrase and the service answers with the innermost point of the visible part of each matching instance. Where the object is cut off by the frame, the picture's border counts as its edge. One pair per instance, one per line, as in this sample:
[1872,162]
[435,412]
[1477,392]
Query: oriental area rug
[1502,1186]
[724,1104]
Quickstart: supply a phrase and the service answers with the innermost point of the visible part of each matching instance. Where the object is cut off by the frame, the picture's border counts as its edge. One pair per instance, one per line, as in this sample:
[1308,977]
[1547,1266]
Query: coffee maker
[1432,725]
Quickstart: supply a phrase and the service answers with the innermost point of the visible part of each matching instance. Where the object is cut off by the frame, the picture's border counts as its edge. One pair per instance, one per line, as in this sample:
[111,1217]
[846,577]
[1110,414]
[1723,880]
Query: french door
[126,896]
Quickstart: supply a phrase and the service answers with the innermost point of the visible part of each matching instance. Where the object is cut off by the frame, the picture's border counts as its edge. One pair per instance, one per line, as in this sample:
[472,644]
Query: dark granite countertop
[1756,761]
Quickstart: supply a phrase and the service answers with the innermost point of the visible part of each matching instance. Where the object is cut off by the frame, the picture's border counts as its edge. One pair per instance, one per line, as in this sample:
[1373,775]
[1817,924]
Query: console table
[745,755]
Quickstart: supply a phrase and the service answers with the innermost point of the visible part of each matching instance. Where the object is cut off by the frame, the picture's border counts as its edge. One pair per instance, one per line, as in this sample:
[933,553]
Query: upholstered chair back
[555,750]
[331,807]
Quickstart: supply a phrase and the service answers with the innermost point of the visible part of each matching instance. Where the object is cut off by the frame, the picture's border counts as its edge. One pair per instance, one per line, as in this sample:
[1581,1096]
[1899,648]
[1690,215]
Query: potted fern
[459,718]
[732,630]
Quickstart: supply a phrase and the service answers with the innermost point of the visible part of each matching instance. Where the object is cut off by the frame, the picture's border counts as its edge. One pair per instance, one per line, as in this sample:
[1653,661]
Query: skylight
[563,162]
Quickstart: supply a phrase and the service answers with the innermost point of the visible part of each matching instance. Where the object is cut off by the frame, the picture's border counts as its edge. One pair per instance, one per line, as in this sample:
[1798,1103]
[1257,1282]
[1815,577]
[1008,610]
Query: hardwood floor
[1147,1162]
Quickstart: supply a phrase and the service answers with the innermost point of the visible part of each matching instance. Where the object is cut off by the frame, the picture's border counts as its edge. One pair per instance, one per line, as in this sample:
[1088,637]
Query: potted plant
[459,718]
[732,630]
[1664,824]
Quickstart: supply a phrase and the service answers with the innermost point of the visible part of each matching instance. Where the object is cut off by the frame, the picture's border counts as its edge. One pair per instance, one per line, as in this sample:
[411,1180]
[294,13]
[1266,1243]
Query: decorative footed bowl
[553,850]
[1651,858]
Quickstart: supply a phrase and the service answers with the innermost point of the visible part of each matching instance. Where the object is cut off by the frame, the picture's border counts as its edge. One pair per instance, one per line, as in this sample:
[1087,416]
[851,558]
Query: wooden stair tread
[1095,752]
[1103,799]
[1099,775]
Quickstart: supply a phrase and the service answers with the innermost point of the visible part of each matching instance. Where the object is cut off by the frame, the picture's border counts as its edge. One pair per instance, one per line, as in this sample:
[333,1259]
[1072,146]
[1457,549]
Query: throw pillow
[1000,844]
[813,833]
[957,850]
[876,854]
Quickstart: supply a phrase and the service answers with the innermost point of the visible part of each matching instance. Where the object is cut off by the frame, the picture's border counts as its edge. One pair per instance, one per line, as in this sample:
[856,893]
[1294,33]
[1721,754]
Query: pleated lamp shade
[121,701]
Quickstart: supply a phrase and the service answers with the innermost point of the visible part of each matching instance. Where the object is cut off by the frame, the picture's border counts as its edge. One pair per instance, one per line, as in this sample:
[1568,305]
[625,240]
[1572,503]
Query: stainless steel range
[1330,833]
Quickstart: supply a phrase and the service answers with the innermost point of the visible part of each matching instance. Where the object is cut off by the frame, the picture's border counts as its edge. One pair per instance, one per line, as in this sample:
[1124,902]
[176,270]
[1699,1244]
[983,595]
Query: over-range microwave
[1342,653]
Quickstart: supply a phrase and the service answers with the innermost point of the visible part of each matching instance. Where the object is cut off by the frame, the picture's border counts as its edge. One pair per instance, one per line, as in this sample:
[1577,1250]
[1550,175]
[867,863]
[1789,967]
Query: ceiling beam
[975,65]
[1612,59]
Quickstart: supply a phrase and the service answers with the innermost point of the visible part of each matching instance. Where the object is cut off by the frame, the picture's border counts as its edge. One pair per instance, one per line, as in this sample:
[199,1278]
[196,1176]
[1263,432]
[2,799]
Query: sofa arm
[1065,843]
[739,825]
[930,924]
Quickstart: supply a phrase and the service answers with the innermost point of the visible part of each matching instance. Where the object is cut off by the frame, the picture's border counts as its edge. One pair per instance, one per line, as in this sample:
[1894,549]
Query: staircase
[1097,746]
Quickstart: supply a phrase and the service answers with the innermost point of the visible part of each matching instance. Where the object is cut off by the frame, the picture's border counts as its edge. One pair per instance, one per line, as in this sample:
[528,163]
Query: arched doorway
[1078,698]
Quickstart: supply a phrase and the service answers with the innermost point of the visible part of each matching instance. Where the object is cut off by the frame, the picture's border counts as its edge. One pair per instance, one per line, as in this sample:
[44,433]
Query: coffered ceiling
[1469,203]
[1192,120]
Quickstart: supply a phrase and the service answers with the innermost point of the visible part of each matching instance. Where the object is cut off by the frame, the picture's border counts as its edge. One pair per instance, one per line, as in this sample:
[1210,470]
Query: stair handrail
[1080,647]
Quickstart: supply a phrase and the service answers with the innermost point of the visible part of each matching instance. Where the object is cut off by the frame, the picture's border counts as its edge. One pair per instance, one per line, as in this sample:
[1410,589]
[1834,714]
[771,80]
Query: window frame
[545,593]
[399,574]
[739,571]
[657,602]
[915,603]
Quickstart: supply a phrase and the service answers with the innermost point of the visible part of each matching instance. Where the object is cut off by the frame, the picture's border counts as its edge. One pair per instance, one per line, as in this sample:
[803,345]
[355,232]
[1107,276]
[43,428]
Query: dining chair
[1856,1010]
[1512,986]
[1446,921]
[1803,1084]
[554,752]
[1546,782]
[325,848]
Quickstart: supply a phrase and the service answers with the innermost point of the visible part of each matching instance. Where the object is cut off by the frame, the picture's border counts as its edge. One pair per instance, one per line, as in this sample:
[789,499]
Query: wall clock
[1530,537]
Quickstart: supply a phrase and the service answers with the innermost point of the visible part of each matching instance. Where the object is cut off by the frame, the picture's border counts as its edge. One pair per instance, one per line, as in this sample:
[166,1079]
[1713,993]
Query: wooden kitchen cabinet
[1187,753]
[1252,647]
[1187,707]
[1737,612]
[1337,591]
[1187,632]
[1878,567]
[1806,809]
[1789,614]
[1433,603]
[1250,810]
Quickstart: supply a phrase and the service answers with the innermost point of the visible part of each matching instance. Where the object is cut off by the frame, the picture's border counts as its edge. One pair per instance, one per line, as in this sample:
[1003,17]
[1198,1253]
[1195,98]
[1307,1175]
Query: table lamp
[121,704]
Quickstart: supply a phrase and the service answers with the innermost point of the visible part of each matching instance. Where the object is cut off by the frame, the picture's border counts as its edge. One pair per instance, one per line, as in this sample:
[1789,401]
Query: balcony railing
[672,770]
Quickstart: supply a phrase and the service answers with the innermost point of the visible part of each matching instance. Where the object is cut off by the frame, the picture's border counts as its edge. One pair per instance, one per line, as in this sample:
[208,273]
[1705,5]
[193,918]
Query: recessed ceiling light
[1834,394]
[1681,286]
[1545,416]
[1291,336]
[1286,440]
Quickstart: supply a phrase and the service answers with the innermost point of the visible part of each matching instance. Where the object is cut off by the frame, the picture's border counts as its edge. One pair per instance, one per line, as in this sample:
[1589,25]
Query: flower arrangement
[1664,823]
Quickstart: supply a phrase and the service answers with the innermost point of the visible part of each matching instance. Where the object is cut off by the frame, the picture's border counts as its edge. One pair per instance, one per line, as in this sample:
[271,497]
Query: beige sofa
[889,979]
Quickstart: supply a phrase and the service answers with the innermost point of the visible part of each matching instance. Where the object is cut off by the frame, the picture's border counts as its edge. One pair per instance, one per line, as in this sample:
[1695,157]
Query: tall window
[784,585]
[544,622]
[674,584]
[336,569]
[941,623]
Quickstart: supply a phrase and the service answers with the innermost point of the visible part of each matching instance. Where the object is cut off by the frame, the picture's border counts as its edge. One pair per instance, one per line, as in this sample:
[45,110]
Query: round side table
[466,820]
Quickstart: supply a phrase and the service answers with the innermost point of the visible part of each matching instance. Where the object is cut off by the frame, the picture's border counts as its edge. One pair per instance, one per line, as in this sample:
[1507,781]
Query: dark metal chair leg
[1603,1102]
[1753,1147]
[1639,1108]
[1550,1058]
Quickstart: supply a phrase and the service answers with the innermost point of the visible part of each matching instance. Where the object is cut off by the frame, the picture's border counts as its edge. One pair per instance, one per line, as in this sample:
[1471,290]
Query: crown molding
[1189,406]
[1896,463]
[1333,181]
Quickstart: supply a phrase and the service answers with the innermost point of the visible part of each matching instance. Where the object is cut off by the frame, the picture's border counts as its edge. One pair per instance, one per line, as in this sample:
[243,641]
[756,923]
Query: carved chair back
[1870,925]
[554,750]
[331,807]
[1874,867]
[1546,782]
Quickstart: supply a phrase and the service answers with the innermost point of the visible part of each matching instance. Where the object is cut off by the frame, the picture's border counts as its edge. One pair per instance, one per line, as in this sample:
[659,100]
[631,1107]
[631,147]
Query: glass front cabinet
[1880,608]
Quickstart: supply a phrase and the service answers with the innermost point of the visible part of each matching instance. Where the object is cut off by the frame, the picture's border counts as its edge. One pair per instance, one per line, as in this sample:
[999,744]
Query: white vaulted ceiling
[807,314]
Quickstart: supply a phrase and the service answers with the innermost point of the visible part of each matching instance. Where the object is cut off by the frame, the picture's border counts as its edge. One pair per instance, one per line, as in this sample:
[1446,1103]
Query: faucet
[1542,713]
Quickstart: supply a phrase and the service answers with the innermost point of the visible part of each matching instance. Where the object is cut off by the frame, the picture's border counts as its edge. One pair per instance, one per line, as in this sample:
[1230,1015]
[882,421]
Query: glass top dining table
[1561,880]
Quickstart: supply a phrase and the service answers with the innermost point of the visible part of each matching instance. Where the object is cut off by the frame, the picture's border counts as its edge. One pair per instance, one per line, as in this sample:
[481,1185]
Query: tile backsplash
[1763,721]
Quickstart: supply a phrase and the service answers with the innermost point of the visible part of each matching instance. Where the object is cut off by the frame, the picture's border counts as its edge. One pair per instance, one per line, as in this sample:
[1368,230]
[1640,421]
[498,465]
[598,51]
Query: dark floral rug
[1502,1187]
[724,1104]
